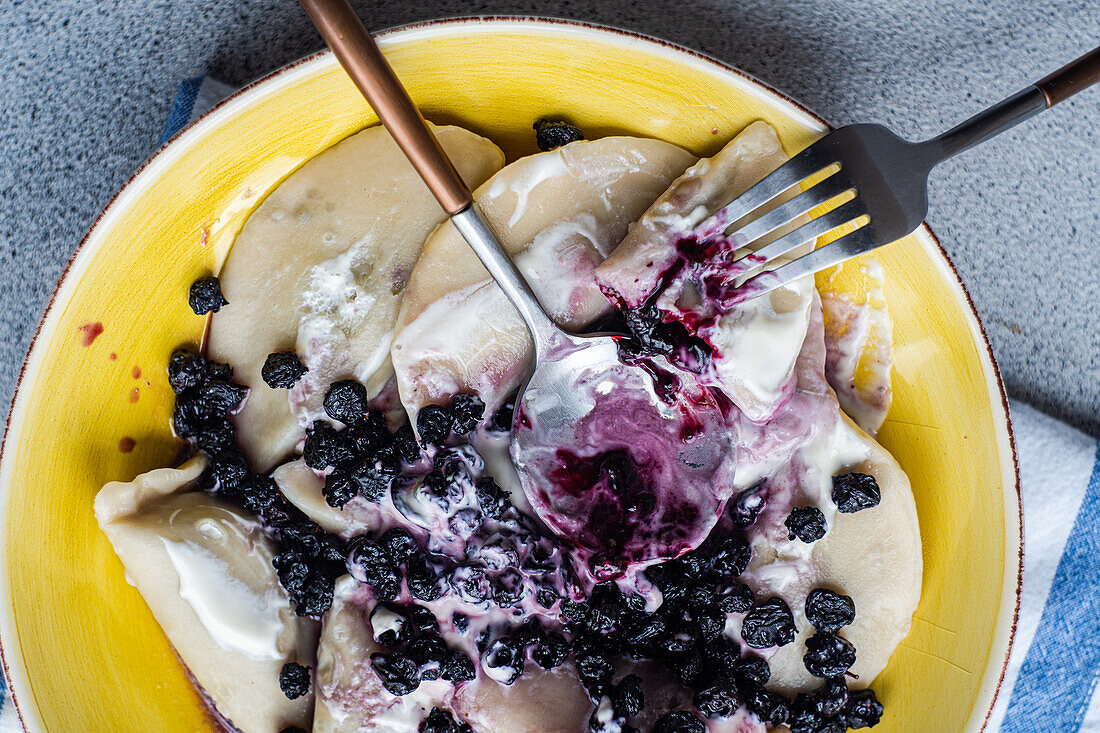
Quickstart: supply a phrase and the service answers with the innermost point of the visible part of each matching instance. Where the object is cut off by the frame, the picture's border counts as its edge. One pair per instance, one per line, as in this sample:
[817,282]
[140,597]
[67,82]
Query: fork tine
[814,228]
[818,194]
[801,166]
[833,253]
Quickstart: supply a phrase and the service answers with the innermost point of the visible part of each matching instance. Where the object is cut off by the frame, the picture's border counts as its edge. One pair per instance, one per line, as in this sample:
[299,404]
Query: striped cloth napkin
[1050,684]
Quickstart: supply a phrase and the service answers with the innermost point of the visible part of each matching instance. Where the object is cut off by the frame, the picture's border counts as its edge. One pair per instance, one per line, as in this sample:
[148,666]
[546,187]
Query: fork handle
[363,60]
[1074,77]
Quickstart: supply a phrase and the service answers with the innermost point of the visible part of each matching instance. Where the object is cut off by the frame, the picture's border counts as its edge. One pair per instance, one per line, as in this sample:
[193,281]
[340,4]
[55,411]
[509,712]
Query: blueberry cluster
[483,552]
[832,707]
[415,650]
[309,559]
[550,134]
[205,396]
[652,334]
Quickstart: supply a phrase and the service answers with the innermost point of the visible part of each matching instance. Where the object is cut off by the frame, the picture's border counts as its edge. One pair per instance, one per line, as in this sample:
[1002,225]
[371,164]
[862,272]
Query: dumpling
[320,268]
[205,571]
[756,343]
[558,214]
[350,697]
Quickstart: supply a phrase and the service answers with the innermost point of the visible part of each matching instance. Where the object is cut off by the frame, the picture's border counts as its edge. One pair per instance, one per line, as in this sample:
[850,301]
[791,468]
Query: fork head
[874,181]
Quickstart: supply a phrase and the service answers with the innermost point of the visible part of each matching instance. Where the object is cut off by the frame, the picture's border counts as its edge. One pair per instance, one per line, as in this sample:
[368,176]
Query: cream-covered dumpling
[205,570]
[661,271]
[558,214]
[320,268]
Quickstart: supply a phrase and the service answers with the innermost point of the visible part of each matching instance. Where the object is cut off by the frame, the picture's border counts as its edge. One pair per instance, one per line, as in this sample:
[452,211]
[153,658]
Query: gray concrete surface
[85,87]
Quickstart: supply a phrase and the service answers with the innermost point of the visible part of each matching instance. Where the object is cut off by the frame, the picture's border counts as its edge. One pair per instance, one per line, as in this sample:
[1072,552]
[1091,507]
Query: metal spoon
[558,395]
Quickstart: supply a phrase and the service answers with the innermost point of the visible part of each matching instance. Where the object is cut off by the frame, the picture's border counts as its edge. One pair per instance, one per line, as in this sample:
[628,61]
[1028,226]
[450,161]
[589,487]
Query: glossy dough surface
[205,571]
[320,268]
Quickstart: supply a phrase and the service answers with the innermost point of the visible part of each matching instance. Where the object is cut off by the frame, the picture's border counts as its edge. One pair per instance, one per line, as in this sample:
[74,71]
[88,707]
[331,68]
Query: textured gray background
[85,87]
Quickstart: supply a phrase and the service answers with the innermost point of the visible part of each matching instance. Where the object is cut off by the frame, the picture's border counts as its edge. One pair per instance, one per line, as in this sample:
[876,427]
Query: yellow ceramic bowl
[81,650]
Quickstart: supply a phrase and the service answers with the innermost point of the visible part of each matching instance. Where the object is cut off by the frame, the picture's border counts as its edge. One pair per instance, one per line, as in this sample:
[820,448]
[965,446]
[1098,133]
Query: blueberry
[440,721]
[806,523]
[216,435]
[504,660]
[315,597]
[370,564]
[423,580]
[593,668]
[293,570]
[225,473]
[752,670]
[325,447]
[374,474]
[502,419]
[492,499]
[433,423]
[398,544]
[863,710]
[550,651]
[458,668]
[346,402]
[720,656]
[642,632]
[855,491]
[805,717]
[828,655]
[205,296]
[710,622]
[680,721]
[735,598]
[627,699]
[422,620]
[430,652]
[731,556]
[404,440]
[467,410]
[218,370]
[339,489]
[550,134]
[282,370]
[186,370]
[370,434]
[766,705]
[768,624]
[828,611]
[188,418]
[575,611]
[218,396]
[686,666]
[294,680]
[399,674]
[258,492]
[747,505]
[831,697]
[719,700]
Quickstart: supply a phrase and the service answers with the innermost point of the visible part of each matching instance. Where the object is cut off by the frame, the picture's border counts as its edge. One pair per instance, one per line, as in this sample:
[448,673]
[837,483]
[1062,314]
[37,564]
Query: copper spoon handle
[1074,77]
[363,60]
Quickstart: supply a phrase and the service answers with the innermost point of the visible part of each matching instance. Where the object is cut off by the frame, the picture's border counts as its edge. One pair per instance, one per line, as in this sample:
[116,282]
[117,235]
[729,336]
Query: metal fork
[883,177]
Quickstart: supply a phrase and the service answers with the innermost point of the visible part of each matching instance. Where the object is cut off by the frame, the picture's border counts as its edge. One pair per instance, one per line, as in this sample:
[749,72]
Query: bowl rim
[989,690]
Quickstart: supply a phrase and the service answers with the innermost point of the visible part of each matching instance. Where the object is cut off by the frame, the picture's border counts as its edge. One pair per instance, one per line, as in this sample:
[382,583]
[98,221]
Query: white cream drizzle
[236,617]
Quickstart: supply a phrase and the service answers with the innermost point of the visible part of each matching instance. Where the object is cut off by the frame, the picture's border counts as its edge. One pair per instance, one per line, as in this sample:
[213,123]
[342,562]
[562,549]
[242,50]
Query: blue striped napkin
[1050,683]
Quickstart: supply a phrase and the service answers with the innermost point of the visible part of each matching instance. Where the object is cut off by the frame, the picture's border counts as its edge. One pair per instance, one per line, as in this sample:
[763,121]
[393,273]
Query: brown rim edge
[721,65]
